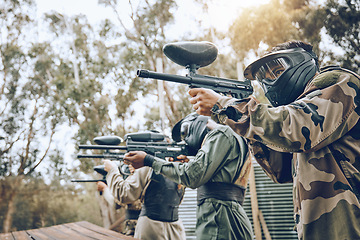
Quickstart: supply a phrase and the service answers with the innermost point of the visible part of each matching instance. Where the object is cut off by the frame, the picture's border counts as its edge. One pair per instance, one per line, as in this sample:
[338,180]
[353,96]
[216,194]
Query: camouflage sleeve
[220,111]
[276,165]
[323,114]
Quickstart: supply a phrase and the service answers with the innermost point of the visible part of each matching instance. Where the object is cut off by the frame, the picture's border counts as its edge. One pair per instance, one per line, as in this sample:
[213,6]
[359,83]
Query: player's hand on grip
[135,158]
[203,100]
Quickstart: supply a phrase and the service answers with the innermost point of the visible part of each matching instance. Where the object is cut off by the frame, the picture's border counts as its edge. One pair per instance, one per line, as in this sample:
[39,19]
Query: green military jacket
[223,158]
[320,134]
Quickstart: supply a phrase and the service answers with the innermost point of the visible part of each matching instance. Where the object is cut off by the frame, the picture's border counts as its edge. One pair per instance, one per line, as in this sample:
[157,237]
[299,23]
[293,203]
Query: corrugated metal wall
[275,203]
[187,212]
[274,200]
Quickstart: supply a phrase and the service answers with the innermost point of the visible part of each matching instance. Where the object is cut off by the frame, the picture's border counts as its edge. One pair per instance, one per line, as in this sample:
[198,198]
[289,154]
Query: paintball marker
[153,143]
[99,169]
[109,144]
[106,143]
[192,56]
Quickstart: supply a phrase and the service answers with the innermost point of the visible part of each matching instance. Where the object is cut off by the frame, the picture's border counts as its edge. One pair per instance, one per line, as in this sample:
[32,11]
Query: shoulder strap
[244,155]
[333,67]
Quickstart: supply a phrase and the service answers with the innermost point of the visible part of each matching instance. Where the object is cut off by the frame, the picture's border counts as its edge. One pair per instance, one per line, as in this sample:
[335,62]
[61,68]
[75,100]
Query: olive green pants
[226,220]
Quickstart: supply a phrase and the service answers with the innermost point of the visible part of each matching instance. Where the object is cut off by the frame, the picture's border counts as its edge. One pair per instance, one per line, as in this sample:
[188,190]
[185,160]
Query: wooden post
[254,204]
[264,226]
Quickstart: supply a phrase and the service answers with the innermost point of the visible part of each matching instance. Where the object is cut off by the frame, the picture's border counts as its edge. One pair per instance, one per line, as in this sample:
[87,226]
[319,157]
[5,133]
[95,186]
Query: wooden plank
[105,231]
[6,236]
[54,233]
[70,232]
[87,232]
[36,234]
[78,230]
[21,235]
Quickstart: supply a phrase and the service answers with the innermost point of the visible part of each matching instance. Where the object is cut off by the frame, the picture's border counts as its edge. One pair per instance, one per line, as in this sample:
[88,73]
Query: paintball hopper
[148,136]
[108,140]
[187,54]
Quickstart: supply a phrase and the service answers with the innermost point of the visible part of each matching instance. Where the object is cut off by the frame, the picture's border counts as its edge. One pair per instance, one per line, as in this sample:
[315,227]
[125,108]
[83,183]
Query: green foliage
[275,22]
[279,21]
[27,108]
[343,25]
[145,38]
[43,205]
[84,76]
[81,76]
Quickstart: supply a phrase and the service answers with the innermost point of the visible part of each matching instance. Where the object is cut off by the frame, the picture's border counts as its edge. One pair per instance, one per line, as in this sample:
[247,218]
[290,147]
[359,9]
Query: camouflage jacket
[320,134]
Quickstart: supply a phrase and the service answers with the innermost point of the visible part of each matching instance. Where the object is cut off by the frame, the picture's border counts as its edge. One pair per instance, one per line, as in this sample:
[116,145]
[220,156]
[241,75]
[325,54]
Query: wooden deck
[77,230]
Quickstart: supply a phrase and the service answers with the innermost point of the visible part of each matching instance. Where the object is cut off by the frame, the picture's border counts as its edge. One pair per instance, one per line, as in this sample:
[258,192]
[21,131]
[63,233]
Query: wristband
[148,160]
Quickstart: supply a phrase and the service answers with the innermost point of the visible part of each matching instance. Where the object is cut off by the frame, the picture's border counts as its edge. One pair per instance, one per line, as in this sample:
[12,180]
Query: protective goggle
[272,69]
[190,123]
[185,125]
[184,130]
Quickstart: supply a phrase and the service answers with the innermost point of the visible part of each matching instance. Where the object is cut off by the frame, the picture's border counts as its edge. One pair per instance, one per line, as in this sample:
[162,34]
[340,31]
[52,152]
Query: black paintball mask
[283,74]
[191,129]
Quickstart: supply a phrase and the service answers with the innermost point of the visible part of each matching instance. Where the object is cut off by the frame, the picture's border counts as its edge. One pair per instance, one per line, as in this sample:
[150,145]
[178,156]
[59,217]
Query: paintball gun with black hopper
[107,143]
[104,141]
[151,142]
[111,152]
[192,56]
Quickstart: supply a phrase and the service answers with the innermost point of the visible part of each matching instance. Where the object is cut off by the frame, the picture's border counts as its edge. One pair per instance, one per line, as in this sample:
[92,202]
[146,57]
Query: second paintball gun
[109,144]
[106,143]
[99,169]
[192,56]
[153,143]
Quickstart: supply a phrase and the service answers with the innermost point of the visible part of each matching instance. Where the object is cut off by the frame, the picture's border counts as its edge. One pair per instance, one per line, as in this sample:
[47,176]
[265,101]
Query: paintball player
[312,126]
[160,201]
[110,211]
[132,210]
[219,171]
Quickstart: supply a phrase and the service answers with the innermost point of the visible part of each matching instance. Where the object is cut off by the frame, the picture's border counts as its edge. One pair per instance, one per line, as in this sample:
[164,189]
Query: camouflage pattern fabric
[130,224]
[320,132]
[129,227]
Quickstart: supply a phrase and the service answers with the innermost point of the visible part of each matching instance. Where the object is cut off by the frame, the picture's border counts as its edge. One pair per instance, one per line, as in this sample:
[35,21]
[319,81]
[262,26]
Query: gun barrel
[162,76]
[110,156]
[90,156]
[222,85]
[102,147]
[90,180]
[195,78]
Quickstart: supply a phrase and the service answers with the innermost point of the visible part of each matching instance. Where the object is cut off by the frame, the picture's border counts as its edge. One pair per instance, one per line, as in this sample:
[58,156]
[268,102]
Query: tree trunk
[10,210]
[11,188]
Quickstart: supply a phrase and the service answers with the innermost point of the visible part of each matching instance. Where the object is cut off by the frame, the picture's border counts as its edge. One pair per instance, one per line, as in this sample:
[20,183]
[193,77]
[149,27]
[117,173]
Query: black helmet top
[191,129]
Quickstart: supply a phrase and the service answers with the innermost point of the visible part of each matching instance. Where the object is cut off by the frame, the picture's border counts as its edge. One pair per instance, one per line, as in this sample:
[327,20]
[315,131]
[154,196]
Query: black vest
[162,199]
